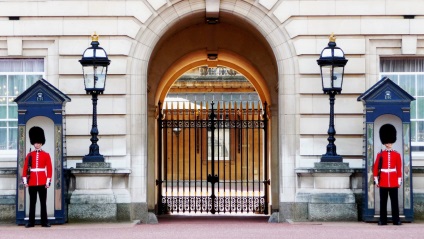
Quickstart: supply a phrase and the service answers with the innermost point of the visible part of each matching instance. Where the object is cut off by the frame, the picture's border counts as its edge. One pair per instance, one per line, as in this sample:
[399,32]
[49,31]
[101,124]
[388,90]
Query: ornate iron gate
[212,160]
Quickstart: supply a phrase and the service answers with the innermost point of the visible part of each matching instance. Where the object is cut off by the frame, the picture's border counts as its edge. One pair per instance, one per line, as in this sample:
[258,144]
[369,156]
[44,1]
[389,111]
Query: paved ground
[216,227]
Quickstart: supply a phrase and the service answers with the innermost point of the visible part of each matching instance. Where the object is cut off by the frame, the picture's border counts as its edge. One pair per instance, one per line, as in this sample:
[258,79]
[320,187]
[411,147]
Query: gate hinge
[267,182]
[158,182]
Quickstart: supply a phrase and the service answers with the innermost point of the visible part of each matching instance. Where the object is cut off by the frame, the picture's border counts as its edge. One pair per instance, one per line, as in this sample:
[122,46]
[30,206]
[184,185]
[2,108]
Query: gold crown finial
[332,37]
[94,37]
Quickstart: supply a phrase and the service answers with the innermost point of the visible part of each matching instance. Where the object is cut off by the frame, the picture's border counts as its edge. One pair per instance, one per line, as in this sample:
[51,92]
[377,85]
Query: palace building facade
[210,106]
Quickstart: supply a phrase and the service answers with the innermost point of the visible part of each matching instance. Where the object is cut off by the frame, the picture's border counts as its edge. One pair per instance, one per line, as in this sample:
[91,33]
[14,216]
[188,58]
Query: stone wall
[7,194]
[418,192]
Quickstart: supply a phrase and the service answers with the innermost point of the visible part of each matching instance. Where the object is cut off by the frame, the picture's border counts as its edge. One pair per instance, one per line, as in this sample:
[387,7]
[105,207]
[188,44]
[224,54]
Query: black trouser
[42,193]
[384,193]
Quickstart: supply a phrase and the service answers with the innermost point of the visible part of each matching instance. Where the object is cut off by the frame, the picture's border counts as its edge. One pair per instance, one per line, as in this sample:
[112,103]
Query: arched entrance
[212,145]
[232,43]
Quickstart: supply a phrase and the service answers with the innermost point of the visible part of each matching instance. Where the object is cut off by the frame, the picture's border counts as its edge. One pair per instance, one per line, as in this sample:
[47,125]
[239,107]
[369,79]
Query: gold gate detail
[213,157]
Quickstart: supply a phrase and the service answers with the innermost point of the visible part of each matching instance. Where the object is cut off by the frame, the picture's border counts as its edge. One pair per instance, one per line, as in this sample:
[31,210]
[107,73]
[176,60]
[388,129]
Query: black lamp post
[332,63]
[94,63]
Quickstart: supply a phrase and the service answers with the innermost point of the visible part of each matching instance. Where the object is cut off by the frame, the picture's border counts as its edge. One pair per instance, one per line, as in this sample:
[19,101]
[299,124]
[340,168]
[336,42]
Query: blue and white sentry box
[386,102]
[42,105]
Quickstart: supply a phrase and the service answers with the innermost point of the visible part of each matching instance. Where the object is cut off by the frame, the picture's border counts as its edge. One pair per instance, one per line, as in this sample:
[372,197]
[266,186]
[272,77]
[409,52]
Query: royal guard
[36,176]
[387,172]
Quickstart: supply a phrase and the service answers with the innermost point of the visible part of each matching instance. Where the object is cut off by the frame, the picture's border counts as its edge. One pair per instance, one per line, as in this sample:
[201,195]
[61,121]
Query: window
[408,73]
[221,144]
[16,75]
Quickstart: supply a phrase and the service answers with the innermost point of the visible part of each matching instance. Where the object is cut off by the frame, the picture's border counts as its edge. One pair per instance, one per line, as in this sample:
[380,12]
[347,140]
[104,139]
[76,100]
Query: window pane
[13,137]
[3,111]
[244,97]
[413,131]
[393,77]
[413,110]
[13,111]
[420,133]
[191,98]
[420,108]
[33,65]
[31,79]
[420,85]
[11,65]
[209,98]
[16,85]
[407,82]
[221,144]
[226,97]
[233,97]
[3,139]
[3,85]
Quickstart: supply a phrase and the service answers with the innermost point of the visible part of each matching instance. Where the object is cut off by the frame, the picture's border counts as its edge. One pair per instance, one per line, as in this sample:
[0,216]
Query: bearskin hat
[387,134]
[36,135]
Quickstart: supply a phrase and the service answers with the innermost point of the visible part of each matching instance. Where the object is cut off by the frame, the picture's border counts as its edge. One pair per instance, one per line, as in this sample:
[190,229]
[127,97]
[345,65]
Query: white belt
[388,170]
[38,170]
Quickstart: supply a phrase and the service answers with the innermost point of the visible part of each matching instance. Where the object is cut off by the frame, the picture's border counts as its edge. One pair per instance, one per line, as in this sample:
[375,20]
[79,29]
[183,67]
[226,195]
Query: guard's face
[389,145]
[37,145]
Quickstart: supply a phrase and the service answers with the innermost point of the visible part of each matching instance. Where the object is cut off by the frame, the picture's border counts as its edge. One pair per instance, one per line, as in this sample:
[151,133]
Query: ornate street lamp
[94,63]
[332,62]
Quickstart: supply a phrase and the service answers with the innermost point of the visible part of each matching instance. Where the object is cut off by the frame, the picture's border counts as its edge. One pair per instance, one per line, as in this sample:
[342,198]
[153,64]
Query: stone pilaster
[7,194]
[100,194]
[326,193]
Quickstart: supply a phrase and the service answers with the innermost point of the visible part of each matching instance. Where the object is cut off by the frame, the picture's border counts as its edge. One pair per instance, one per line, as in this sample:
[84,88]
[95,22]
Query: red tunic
[391,169]
[41,168]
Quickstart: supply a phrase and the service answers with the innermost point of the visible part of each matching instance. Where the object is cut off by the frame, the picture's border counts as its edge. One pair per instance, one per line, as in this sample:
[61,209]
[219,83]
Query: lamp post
[94,63]
[332,62]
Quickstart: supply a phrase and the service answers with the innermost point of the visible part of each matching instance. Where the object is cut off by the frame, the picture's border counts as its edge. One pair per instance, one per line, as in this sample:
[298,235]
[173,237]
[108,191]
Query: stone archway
[225,58]
[238,47]
[185,32]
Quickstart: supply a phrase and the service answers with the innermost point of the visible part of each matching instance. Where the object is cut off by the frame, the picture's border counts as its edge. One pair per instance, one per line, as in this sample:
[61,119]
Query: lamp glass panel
[332,77]
[326,77]
[338,52]
[338,77]
[88,73]
[88,53]
[100,53]
[326,52]
[100,72]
